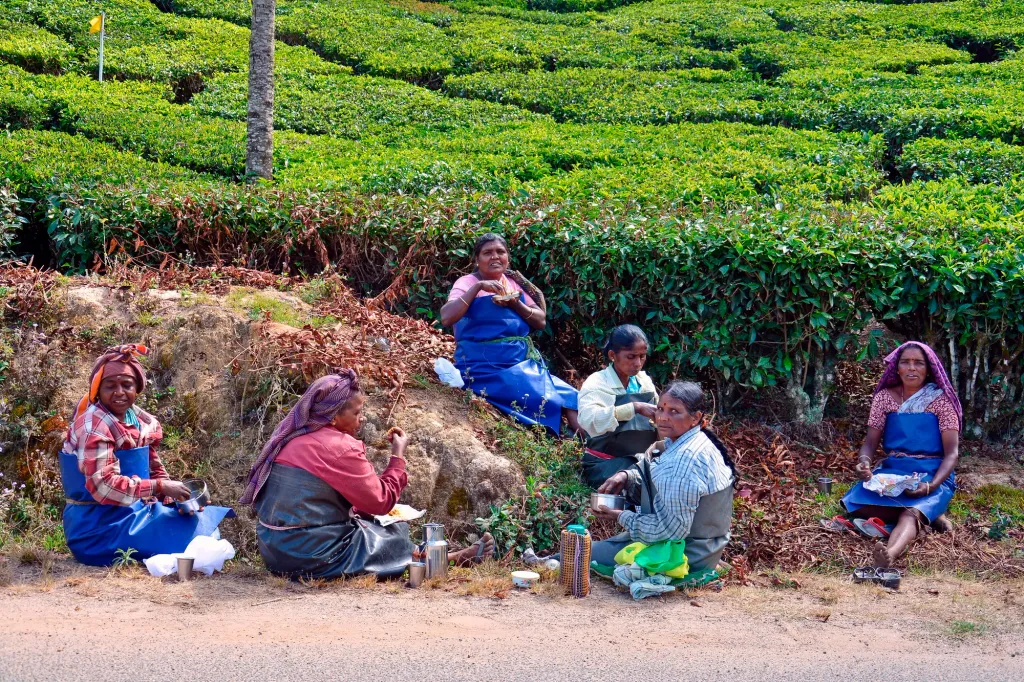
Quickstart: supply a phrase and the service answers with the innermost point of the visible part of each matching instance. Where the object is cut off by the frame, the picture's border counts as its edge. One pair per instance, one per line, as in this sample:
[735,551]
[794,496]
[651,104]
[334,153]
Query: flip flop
[889,577]
[838,524]
[478,558]
[865,574]
[872,528]
[880,525]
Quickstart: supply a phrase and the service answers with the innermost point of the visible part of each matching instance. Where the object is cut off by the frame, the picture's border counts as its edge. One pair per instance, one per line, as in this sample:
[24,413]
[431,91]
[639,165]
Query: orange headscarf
[118,360]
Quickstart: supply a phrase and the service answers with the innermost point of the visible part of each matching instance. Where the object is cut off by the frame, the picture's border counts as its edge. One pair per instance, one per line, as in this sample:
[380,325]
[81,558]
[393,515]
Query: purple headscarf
[317,407]
[891,375]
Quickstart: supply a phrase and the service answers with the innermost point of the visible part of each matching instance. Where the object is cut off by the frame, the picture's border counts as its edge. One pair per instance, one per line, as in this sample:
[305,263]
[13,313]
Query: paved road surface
[102,629]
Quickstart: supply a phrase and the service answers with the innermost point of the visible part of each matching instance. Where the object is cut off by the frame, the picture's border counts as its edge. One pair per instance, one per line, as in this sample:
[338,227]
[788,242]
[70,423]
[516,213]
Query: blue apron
[910,434]
[494,357]
[96,531]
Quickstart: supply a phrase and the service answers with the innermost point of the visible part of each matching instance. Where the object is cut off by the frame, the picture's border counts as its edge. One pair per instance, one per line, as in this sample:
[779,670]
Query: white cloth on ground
[209,554]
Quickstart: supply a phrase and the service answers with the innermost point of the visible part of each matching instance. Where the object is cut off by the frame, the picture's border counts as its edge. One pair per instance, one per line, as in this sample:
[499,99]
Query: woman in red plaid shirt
[113,479]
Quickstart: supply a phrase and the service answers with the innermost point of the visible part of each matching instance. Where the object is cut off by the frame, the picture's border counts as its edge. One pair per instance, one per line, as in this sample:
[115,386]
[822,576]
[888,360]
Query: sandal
[865,574]
[479,557]
[838,524]
[872,528]
[889,578]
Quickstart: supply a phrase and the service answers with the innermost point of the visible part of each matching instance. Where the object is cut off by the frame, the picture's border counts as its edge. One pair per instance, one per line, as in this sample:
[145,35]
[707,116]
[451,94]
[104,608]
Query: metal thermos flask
[436,550]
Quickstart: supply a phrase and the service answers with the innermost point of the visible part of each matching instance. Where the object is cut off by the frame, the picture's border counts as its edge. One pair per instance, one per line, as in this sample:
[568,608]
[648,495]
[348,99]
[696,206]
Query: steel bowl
[189,506]
[616,502]
[199,490]
[199,496]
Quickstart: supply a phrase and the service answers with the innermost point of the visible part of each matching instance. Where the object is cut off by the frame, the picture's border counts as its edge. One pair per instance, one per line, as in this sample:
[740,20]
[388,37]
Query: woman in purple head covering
[917,418]
[316,493]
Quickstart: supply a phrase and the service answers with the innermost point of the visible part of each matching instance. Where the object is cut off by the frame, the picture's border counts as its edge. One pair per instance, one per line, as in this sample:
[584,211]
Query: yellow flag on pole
[96,24]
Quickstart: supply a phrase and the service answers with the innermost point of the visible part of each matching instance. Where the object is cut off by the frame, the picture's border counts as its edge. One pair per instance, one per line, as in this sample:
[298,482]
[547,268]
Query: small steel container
[199,490]
[610,501]
[825,485]
[199,496]
[417,572]
[433,532]
[437,559]
[185,564]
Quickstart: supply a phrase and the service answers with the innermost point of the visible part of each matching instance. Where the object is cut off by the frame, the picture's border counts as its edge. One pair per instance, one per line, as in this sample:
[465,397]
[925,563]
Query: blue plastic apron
[498,367]
[909,434]
[96,531]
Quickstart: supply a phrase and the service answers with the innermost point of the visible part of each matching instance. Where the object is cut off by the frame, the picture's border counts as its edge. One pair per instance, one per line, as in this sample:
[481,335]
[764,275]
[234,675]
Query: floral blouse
[883,403]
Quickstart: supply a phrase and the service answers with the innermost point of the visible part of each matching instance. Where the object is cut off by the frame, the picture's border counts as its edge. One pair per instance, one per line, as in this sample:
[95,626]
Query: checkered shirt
[690,468]
[95,436]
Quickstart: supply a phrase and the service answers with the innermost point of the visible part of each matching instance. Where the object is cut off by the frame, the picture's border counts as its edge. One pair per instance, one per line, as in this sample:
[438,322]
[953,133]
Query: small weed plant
[554,495]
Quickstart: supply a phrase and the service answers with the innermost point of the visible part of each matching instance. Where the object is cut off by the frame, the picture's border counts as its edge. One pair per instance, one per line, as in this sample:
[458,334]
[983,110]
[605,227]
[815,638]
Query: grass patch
[1009,500]
[148,319]
[316,290]
[258,305]
[191,299]
[964,628]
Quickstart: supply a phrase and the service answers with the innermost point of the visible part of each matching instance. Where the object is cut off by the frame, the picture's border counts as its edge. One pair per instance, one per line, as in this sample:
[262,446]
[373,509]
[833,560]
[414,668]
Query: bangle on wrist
[464,301]
[532,311]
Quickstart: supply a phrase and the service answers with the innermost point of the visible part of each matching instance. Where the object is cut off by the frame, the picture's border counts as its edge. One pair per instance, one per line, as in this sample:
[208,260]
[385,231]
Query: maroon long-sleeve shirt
[339,460]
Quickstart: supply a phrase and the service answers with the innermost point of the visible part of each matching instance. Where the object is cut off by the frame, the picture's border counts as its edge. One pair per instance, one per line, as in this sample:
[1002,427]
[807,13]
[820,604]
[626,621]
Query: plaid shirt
[690,468]
[94,437]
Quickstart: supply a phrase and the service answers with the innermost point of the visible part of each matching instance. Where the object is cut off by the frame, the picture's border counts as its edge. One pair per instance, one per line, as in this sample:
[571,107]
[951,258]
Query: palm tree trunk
[259,149]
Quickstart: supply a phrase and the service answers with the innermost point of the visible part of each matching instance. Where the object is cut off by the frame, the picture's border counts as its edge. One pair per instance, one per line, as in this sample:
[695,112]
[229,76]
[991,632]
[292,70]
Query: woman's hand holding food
[399,441]
[863,470]
[615,484]
[923,489]
[491,286]
[645,409]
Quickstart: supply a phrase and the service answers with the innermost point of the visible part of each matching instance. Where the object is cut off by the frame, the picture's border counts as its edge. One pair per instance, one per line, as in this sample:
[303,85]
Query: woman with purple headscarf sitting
[316,493]
[917,417]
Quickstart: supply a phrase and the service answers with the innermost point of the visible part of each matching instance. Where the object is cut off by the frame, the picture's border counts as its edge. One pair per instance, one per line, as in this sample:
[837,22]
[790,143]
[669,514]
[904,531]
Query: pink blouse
[883,404]
[339,460]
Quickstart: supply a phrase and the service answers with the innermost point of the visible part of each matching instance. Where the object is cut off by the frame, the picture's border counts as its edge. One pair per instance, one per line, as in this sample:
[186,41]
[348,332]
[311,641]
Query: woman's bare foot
[942,524]
[880,554]
[472,554]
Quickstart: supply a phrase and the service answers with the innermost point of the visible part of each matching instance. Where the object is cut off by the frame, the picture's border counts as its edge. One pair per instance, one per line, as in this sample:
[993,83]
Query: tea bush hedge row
[424,42]
[665,163]
[742,298]
[31,47]
[953,100]
[987,28]
[977,161]
[352,106]
[144,43]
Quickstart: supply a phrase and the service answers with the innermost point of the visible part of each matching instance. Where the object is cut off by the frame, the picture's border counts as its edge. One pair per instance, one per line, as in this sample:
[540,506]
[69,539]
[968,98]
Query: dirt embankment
[226,363]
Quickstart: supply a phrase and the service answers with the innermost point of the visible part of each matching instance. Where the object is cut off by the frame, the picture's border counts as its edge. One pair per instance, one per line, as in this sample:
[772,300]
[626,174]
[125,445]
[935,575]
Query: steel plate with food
[611,501]
[505,298]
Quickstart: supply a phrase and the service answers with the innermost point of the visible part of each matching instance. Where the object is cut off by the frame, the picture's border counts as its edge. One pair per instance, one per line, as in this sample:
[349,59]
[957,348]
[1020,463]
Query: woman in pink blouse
[316,493]
[492,312]
[917,418]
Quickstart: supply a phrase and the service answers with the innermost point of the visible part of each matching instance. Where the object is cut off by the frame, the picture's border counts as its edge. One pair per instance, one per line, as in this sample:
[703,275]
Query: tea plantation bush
[754,182]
